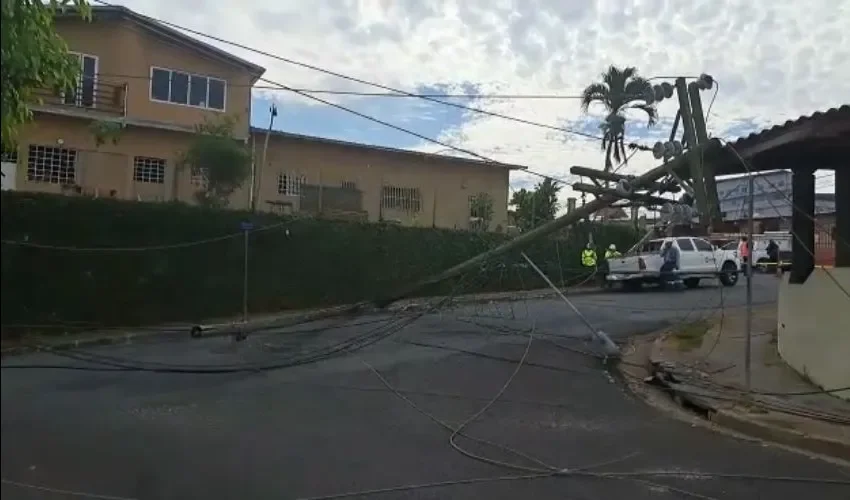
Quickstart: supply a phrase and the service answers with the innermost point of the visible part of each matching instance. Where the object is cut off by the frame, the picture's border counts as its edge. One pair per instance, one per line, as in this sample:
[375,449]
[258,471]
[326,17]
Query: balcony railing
[89,96]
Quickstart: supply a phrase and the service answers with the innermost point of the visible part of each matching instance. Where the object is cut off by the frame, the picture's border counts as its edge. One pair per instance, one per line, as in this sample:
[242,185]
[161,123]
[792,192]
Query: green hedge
[298,263]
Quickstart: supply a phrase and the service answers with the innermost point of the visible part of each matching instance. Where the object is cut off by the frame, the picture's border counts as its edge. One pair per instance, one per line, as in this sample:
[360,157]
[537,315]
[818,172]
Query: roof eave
[338,142]
[162,30]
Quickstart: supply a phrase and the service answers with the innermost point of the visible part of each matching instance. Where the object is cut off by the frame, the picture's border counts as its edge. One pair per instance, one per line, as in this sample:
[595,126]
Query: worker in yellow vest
[588,261]
[612,252]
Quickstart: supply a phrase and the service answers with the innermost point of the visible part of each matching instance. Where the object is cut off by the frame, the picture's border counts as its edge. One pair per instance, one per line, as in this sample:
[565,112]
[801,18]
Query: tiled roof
[841,112]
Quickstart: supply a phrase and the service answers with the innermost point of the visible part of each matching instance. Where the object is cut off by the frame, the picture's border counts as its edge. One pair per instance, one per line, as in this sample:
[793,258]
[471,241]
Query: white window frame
[145,164]
[189,93]
[409,199]
[78,98]
[289,183]
[73,155]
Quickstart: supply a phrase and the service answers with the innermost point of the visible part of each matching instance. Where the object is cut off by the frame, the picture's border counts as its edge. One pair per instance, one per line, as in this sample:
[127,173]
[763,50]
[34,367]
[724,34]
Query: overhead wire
[384,87]
[547,470]
[170,246]
[355,343]
[364,116]
[355,93]
[323,70]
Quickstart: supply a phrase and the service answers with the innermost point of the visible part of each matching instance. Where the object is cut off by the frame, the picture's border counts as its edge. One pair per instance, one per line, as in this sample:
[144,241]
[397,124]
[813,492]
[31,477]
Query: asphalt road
[333,427]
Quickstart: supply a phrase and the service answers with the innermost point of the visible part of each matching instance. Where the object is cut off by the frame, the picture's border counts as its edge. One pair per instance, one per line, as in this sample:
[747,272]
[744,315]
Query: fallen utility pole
[594,175]
[598,191]
[608,345]
[525,239]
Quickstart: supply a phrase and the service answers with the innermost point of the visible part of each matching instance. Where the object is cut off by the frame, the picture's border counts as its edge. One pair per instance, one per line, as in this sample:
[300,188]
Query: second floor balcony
[91,97]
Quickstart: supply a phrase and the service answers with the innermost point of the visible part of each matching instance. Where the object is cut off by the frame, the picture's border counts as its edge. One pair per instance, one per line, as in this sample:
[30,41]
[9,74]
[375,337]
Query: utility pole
[693,155]
[749,328]
[678,163]
[707,169]
[259,177]
[246,227]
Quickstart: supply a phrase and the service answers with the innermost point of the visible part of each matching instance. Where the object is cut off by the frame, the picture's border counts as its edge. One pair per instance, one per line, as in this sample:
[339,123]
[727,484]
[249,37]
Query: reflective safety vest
[611,254]
[588,258]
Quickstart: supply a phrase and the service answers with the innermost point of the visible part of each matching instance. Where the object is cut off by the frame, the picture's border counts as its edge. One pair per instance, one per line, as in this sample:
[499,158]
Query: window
[83,93]
[199,178]
[198,91]
[187,89]
[179,88]
[215,97]
[479,205]
[401,198]
[702,245]
[10,156]
[53,165]
[150,170]
[289,184]
[652,246]
[349,185]
[685,244]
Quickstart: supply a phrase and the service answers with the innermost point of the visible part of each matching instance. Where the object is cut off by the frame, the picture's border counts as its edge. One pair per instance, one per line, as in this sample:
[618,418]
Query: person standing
[670,255]
[773,256]
[611,253]
[744,253]
[588,260]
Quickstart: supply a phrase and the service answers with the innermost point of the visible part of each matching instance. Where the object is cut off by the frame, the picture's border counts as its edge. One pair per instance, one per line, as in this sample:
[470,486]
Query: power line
[413,95]
[354,79]
[172,246]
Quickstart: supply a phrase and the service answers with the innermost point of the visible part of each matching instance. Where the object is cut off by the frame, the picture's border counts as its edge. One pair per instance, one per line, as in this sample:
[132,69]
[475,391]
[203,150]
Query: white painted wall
[814,328]
[10,172]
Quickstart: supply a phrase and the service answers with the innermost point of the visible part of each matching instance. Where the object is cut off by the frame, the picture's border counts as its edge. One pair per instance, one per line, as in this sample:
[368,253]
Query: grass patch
[689,335]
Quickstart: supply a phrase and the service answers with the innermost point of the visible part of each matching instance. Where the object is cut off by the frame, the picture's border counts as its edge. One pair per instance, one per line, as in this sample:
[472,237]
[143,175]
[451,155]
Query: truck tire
[691,282]
[729,273]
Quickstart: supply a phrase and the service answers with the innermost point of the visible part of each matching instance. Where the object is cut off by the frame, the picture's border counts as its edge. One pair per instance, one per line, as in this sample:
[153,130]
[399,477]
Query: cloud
[775,59]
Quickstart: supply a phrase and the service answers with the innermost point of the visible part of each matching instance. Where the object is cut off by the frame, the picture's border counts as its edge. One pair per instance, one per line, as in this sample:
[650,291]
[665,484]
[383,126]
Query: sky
[774,60]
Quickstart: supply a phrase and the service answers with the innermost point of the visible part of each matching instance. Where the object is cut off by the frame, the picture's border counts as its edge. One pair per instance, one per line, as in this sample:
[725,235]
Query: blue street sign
[246,226]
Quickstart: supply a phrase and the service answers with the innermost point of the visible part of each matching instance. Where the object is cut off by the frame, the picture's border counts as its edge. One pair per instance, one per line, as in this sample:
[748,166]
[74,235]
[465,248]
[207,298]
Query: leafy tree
[222,161]
[619,91]
[482,209]
[537,206]
[33,57]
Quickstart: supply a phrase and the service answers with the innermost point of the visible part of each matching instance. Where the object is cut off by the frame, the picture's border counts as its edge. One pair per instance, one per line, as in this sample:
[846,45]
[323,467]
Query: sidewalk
[702,364]
[228,326]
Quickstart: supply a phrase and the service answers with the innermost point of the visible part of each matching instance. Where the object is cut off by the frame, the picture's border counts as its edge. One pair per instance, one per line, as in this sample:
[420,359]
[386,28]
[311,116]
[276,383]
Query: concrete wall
[814,328]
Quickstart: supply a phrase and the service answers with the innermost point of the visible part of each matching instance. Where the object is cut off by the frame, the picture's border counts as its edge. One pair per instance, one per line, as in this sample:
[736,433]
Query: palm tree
[619,91]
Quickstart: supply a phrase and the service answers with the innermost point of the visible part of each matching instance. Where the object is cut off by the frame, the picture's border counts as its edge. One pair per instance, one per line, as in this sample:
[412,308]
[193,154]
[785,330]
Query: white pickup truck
[698,259]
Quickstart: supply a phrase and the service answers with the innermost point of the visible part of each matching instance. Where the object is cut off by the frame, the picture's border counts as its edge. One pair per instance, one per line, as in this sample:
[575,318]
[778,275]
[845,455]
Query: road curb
[722,419]
[780,435]
[282,320]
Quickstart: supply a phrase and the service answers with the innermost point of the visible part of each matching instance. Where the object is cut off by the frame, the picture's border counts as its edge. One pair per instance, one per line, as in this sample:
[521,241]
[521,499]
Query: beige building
[157,84]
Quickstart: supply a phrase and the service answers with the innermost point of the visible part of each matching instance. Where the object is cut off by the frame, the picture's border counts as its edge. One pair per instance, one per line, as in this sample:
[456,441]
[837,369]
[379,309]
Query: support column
[802,224]
[842,217]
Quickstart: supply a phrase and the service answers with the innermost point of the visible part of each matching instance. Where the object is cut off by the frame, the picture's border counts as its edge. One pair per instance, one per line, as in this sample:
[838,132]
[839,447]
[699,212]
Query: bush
[104,279]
